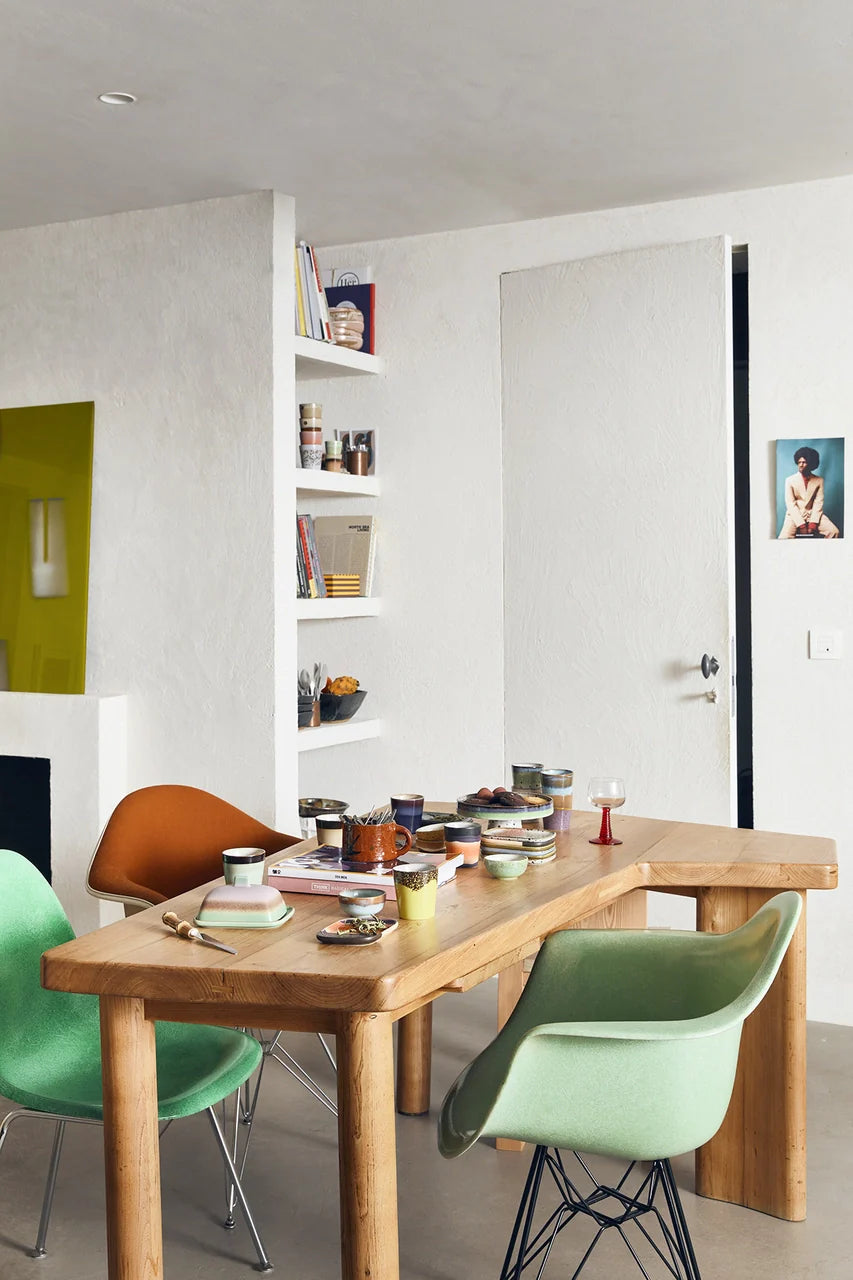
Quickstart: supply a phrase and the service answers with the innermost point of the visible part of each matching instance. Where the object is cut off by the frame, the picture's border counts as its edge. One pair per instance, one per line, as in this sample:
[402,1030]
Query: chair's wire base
[232,1177]
[650,1220]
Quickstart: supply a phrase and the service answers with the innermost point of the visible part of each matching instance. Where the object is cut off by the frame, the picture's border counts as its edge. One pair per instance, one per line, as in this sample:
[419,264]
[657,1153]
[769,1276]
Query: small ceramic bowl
[361,903]
[505,866]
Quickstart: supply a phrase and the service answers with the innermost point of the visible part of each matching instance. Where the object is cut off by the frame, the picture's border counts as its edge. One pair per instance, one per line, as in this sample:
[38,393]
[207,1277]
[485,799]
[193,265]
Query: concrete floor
[455,1216]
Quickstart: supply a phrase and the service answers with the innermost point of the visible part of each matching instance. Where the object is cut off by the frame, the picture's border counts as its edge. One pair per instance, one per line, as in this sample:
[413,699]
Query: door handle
[710,666]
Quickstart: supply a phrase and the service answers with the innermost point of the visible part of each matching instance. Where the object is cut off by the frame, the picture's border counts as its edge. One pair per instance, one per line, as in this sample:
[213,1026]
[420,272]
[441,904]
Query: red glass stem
[605,835]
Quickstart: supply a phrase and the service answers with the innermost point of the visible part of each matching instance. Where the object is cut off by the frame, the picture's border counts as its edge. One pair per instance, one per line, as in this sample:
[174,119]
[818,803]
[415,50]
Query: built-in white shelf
[346,607]
[323,359]
[332,735]
[336,482]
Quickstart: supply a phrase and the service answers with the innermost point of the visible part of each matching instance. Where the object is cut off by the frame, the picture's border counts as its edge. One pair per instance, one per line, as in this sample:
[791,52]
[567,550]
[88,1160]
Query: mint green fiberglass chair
[50,1054]
[624,1043]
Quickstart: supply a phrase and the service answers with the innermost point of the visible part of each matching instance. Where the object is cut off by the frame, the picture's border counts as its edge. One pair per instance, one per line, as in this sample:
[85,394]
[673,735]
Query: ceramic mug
[330,829]
[557,786]
[243,866]
[408,810]
[312,456]
[416,884]
[463,837]
[375,842]
[527,777]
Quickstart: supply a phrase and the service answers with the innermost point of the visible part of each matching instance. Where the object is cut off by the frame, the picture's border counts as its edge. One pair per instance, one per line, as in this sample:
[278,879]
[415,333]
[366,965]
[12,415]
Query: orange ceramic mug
[375,841]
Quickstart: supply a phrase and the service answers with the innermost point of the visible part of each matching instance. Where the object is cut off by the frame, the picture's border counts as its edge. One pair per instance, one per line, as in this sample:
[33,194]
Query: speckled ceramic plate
[500,813]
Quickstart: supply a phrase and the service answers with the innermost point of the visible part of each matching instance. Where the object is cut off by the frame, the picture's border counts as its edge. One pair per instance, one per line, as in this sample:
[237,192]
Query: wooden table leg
[758,1157]
[131,1147]
[414,1061]
[367,1153]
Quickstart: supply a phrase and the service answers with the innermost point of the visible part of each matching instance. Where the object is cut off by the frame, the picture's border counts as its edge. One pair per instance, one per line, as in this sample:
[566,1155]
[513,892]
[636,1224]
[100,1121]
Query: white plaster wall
[164,319]
[435,658]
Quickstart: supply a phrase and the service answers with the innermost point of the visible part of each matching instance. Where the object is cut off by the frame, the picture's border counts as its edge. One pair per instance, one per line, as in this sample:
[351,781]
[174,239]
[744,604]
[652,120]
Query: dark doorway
[25,809]
[743,592]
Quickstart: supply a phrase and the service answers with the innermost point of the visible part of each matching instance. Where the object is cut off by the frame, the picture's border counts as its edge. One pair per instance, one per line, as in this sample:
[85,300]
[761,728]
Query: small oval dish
[505,866]
[348,932]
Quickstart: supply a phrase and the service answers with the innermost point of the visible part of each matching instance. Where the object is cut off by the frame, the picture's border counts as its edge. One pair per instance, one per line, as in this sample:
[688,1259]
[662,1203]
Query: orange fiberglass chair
[165,840]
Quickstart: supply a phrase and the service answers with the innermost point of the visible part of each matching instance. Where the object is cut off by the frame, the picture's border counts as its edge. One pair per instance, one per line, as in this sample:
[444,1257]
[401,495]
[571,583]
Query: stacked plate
[540,846]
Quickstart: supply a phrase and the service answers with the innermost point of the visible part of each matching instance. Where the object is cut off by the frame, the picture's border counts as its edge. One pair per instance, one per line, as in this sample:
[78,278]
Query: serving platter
[470,807]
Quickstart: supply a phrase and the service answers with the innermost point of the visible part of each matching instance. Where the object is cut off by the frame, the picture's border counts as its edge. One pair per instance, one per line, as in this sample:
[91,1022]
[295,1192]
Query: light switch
[824,644]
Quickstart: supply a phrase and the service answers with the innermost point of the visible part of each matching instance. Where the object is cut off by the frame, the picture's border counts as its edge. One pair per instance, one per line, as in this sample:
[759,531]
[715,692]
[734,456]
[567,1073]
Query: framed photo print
[810,488]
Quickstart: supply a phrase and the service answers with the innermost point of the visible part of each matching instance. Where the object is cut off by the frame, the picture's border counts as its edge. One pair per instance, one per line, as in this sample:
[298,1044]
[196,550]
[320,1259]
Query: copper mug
[375,842]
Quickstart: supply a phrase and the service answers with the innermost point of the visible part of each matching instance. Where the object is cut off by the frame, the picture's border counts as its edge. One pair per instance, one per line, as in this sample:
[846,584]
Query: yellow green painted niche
[45,509]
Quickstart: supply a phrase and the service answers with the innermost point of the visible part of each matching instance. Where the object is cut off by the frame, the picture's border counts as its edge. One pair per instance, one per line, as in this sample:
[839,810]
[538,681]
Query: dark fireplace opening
[25,809]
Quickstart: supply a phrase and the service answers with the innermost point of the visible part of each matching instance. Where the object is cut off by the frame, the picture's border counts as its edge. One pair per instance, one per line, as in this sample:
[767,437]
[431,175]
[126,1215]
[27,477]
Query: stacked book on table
[322,871]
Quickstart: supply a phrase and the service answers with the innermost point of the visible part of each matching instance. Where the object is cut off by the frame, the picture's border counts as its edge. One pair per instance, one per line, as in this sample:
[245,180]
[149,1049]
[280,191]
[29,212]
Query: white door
[617,438]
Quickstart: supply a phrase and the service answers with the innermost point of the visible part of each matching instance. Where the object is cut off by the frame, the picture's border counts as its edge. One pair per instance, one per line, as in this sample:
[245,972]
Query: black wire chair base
[650,1220]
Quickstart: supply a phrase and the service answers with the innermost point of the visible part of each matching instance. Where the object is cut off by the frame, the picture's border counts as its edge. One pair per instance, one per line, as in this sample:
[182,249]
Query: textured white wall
[163,318]
[438,412]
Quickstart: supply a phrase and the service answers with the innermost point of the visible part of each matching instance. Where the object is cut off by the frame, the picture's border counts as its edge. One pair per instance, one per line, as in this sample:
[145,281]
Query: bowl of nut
[340,699]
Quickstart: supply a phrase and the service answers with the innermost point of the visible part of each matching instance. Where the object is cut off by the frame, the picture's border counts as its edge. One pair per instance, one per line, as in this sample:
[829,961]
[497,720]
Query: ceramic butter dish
[243,906]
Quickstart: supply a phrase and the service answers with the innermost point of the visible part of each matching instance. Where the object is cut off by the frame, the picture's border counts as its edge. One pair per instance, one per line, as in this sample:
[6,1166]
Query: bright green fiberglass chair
[50,1057]
[624,1043]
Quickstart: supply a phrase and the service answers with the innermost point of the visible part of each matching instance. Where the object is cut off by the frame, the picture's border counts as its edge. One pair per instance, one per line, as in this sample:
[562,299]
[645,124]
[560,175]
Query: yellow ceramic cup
[416,884]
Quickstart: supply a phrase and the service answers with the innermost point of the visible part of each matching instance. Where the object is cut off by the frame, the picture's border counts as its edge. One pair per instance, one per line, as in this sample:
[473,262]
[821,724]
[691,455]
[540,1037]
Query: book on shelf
[310,582]
[321,871]
[347,545]
[314,319]
[353,286]
[299,291]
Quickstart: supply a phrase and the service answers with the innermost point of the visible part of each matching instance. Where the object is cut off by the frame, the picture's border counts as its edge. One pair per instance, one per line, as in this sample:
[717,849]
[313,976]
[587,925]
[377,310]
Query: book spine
[301,576]
[321,296]
[371,557]
[316,567]
[303,536]
[310,285]
[300,305]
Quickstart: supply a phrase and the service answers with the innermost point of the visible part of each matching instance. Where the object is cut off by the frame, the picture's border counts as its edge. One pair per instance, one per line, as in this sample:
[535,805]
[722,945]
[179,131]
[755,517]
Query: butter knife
[184,929]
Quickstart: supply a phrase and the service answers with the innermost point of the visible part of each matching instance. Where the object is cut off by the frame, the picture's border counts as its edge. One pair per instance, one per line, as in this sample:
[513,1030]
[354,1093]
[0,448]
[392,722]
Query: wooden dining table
[284,978]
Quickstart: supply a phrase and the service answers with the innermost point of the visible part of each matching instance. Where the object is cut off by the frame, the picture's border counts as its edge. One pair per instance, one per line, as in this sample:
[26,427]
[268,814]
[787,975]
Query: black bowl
[340,706]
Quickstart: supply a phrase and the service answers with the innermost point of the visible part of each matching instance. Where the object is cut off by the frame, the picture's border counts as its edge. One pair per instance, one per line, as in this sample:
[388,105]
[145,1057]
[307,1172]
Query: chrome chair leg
[50,1187]
[327,1052]
[38,1250]
[264,1263]
[284,1059]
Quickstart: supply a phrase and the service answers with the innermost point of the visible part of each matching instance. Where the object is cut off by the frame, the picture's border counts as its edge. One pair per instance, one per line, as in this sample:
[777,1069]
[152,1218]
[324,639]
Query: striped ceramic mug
[557,786]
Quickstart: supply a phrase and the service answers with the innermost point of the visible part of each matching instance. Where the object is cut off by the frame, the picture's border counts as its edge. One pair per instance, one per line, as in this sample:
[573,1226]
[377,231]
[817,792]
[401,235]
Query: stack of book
[311,306]
[310,583]
[321,871]
[339,585]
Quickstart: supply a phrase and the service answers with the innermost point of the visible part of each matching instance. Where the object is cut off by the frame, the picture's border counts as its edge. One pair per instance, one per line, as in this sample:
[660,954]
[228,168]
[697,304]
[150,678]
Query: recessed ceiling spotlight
[117,99]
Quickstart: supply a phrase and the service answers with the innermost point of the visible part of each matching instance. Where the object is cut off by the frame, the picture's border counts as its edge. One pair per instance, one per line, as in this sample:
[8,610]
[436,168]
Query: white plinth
[85,740]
